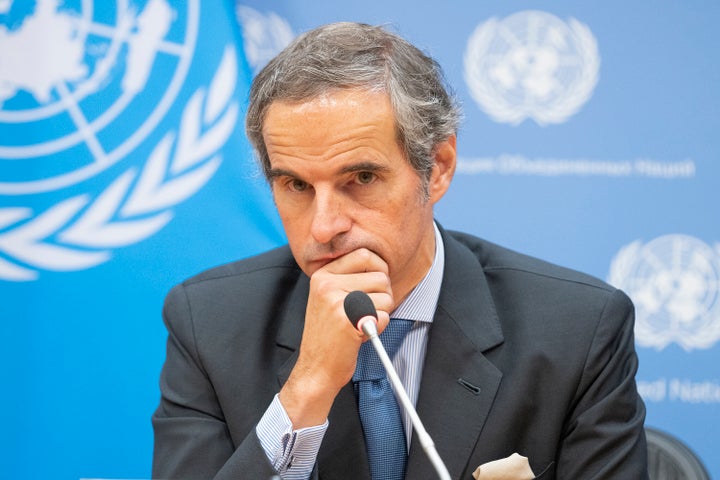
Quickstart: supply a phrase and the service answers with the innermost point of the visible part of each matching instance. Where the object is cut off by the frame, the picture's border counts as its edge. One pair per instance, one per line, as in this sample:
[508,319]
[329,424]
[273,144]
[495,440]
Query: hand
[330,343]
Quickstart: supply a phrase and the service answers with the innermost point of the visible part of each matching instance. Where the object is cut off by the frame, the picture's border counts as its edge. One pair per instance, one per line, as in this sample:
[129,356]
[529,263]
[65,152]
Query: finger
[361,260]
[383,301]
[383,321]
[371,282]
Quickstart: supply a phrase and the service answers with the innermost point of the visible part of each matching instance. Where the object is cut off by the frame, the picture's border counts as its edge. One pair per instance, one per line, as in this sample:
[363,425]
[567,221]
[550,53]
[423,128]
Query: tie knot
[369,366]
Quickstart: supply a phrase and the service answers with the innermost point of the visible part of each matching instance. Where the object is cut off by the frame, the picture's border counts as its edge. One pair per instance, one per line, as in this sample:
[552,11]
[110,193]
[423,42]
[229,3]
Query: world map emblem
[531,65]
[90,160]
[674,282]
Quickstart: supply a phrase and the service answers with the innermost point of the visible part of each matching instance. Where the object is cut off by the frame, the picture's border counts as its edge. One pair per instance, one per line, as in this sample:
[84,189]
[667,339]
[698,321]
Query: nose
[331,216]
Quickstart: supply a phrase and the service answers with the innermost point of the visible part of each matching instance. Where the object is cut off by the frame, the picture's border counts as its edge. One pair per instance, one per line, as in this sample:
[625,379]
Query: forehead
[342,102]
[329,124]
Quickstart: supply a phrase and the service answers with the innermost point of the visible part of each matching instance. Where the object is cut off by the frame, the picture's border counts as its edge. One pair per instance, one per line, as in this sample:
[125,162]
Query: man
[507,354]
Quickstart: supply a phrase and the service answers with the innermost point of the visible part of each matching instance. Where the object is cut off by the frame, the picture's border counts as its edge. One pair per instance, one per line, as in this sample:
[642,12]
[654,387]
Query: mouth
[323,260]
[319,258]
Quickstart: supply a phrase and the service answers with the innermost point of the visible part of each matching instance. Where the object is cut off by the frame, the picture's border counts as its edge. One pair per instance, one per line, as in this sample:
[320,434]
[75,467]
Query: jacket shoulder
[251,293]
[496,259]
[279,259]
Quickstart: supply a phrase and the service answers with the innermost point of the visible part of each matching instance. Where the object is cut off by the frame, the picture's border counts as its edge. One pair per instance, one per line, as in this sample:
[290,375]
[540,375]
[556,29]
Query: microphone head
[358,305]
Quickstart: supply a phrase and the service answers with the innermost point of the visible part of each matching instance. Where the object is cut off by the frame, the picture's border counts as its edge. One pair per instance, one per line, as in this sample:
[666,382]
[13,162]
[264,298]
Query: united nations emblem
[82,86]
[674,282]
[531,65]
[264,35]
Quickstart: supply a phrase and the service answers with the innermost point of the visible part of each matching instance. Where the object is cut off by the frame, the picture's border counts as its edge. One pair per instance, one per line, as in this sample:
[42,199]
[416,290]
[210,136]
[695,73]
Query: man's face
[341,182]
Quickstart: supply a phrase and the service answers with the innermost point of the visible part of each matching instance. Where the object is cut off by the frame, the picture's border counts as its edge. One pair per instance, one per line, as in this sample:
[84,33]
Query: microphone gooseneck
[362,314]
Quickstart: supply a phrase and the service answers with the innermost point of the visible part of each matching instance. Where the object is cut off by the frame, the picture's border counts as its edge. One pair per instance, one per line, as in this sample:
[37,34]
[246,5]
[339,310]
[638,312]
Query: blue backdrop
[129,172]
[590,140]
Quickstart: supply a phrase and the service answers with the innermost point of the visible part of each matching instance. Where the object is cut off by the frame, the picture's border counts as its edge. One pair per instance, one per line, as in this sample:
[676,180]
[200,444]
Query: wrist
[306,400]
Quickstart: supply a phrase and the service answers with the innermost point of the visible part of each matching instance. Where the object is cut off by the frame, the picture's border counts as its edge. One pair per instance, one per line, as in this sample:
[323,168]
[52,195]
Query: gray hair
[352,55]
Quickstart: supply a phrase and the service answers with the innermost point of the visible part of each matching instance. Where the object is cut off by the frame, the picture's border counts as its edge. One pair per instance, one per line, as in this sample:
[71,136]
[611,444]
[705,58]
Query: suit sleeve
[604,436]
[191,437]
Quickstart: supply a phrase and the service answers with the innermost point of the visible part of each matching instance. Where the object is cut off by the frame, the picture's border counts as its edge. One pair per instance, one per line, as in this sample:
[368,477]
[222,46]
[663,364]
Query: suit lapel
[458,384]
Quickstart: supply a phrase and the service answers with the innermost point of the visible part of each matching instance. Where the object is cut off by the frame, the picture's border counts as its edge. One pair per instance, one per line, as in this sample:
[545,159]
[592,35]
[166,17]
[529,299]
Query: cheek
[297,239]
[289,208]
[294,227]
[396,231]
[292,221]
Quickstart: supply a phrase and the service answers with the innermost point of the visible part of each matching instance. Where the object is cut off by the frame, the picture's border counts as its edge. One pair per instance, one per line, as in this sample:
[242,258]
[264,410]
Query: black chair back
[670,459]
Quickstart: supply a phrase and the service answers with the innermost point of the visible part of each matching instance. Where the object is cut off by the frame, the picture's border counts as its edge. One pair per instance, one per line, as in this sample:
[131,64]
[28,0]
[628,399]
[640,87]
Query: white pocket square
[514,467]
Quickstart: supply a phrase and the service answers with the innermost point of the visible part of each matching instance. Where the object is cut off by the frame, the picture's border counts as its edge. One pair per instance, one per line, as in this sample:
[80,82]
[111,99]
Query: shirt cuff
[291,452]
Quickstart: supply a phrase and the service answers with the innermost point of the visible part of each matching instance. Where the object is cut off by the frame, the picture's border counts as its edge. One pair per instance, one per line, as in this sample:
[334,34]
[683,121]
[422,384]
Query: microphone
[362,314]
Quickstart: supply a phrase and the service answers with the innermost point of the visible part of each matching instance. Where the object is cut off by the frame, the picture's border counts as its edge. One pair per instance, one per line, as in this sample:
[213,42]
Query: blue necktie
[379,411]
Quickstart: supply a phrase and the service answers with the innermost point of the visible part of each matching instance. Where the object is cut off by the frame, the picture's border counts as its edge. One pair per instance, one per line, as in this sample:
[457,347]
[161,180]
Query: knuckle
[365,255]
[382,280]
[321,283]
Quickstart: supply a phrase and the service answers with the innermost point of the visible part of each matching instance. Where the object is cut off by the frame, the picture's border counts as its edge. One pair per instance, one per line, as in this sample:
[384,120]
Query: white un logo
[531,65]
[82,86]
[674,281]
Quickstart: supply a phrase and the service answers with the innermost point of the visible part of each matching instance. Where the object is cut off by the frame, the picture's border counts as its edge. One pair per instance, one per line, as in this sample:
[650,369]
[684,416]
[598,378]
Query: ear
[443,169]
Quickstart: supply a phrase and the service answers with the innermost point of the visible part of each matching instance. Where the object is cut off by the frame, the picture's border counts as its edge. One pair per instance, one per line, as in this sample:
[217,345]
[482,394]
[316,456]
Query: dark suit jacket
[523,356]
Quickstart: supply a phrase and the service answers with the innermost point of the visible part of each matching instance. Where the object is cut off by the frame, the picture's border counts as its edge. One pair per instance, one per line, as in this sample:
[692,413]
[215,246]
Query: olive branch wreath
[80,232]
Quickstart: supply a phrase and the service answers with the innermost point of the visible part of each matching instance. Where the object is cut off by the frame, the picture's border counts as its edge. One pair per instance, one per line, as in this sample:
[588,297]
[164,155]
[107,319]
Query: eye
[365,178]
[297,185]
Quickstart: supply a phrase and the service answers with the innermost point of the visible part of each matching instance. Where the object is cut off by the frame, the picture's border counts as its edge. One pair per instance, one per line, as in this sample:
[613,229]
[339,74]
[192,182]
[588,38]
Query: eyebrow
[280,172]
[357,167]
[364,167]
